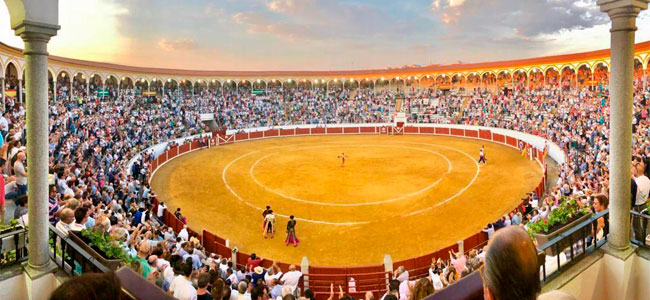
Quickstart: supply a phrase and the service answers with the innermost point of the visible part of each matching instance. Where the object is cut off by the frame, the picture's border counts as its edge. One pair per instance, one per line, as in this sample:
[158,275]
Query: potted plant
[13,223]
[102,247]
[567,215]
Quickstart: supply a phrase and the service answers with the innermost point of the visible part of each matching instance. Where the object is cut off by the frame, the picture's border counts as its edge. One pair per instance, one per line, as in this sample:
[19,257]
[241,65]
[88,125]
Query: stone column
[36,36]
[54,91]
[2,86]
[623,14]
[20,91]
[88,89]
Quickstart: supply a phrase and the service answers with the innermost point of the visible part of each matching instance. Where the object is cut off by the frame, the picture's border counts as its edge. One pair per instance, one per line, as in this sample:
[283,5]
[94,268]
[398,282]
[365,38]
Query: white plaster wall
[13,288]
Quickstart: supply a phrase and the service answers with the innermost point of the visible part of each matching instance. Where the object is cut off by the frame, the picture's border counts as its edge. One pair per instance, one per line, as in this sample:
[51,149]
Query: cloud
[421,48]
[527,17]
[176,44]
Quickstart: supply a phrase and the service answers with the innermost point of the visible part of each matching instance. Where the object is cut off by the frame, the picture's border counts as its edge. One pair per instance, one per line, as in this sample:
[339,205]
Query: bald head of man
[511,268]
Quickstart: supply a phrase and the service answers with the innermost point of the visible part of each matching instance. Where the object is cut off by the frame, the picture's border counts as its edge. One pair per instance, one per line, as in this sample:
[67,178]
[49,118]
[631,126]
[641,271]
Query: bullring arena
[422,192]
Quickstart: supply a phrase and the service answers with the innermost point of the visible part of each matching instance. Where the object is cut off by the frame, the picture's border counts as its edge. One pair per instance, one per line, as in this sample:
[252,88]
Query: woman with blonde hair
[423,288]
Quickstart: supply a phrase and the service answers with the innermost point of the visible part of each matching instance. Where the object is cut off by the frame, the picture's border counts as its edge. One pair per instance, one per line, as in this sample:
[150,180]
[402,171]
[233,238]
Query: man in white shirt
[272,274]
[161,209]
[642,191]
[65,219]
[291,278]
[181,287]
[183,234]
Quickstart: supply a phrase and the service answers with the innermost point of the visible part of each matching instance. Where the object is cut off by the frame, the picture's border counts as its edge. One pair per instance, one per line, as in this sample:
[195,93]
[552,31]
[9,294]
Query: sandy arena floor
[400,195]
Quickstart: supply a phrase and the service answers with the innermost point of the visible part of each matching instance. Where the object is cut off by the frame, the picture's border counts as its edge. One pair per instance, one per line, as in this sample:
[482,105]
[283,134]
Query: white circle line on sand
[426,188]
[223,177]
[240,198]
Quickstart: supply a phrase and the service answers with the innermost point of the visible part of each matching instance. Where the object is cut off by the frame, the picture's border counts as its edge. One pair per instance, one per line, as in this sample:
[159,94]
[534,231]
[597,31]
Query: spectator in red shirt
[253,262]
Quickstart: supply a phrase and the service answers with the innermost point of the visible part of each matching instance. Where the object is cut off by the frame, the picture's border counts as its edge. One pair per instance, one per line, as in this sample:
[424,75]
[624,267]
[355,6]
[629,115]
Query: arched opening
[245,86]
[410,81]
[214,86]
[274,85]
[397,83]
[259,85]
[473,80]
[141,86]
[351,84]
[186,87]
[126,84]
[50,86]
[171,86]
[156,85]
[11,82]
[601,74]
[79,85]
[442,81]
[111,84]
[290,85]
[458,80]
[504,79]
[200,86]
[304,85]
[552,76]
[381,83]
[426,81]
[229,86]
[584,75]
[320,85]
[638,70]
[520,77]
[536,78]
[63,86]
[568,77]
[488,79]
[367,84]
[334,85]
[96,84]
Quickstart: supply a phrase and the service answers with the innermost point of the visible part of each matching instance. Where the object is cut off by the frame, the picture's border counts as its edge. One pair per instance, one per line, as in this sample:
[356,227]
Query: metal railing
[70,257]
[581,239]
[13,246]
[640,221]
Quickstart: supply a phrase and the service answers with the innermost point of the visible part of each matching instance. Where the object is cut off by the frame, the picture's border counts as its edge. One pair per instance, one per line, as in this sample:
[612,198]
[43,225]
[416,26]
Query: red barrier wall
[485,134]
[241,136]
[302,130]
[351,130]
[410,129]
[318,130]
[471,133]
[440,130]
[284,132]
[458,132]
[256,135]
[499,138]
[369,130]
[271,132]
[427,130]
[334,130]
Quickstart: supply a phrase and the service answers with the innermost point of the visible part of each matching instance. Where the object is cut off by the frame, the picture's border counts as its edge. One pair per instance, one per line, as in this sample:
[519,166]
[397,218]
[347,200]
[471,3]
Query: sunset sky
[322,34]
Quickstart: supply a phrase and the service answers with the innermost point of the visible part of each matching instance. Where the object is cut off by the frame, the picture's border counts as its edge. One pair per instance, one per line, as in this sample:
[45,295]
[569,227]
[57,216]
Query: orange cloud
[175,45]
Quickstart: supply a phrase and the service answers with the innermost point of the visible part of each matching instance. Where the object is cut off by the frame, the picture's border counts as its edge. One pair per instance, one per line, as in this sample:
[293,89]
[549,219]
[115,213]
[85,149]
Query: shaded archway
[367,84]
[601,74]
[552,76]
[142,85]
[382,83]
[229,86]
[320,85]
[397,83]
[488,79]
[274,85]
[186,87]
[638,69]
[520,78]
[96,84]
[473,80]
[290,84]
[63,87]
[11,81]
[214,86]
[304,85]
[334,85]
[443,80]
[156,85]
[200,86]
[568,77]
[426,81]
[126,83]
[351,84]
[259,85]
[410,81]
[110,86]
[584,75]
[50,86]
[171,86]
[535,78]
[504,78]
[79,85]
[458,80]
[244,86]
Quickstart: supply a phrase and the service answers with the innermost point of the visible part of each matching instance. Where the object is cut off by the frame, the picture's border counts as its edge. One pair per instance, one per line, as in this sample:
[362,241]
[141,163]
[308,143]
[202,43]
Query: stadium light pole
[623,14]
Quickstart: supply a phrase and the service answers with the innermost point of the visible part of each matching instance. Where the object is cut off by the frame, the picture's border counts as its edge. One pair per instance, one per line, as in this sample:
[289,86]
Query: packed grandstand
[96,129]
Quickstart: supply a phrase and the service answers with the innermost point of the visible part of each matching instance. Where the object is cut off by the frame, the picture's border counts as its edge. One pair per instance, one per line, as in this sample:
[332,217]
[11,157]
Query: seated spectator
[202,290]
[291,278]
[21,207]
[422,289]
[181,288]
[66,219]
[511,269]
[80,218]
